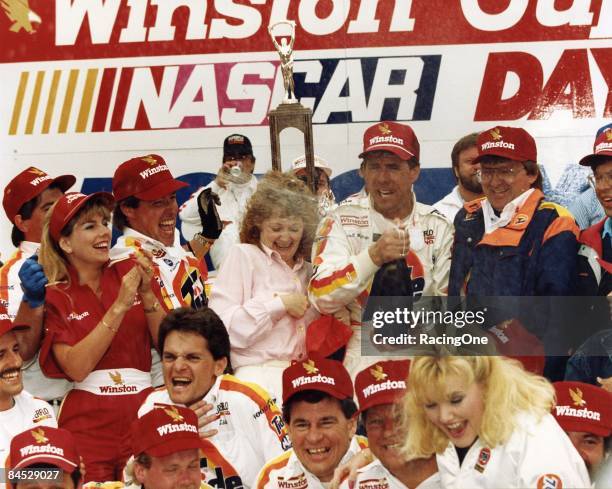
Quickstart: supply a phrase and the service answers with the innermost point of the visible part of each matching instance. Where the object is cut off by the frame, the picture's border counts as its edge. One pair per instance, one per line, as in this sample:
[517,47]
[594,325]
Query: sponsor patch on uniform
[298,482]
[374,484]
[549,481]
[354,221]
[521,219]
[429,236]
[483,459]
[40,415]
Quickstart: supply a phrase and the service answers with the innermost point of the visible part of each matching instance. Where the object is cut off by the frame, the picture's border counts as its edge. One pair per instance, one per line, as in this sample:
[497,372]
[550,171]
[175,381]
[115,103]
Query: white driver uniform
[11,294]
[250,431]
[376,476]
[344,271]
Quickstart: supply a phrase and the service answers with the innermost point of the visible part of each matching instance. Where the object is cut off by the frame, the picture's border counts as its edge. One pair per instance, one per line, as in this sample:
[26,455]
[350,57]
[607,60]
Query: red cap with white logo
[513,143]
[602,148]
[583,407]
[391,136]
[164,430]
[69,204]
[6,323]
[381,383]
[513,340]
[146,178]
[323,375]
[44,445]
[30,183]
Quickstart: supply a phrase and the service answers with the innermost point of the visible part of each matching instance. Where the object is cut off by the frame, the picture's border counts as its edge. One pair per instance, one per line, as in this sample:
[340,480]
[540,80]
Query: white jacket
[287,472]
[34,380]
[376,476]
[538,455]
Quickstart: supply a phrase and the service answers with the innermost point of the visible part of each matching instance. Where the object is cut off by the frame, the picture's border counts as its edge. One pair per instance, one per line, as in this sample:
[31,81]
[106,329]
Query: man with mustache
[19,410]
[466,172]
[319,411]
[584,411]
[26,200]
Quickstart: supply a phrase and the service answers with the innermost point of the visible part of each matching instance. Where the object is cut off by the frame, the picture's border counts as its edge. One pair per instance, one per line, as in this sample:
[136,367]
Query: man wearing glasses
[513,242]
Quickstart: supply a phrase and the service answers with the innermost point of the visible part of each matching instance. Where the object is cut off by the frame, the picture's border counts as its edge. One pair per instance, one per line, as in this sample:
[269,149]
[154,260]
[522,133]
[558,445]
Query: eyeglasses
[601,180]
[506,174]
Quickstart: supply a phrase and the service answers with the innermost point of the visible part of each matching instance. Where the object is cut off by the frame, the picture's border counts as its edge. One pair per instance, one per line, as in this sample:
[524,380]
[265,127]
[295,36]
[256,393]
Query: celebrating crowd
[126,365]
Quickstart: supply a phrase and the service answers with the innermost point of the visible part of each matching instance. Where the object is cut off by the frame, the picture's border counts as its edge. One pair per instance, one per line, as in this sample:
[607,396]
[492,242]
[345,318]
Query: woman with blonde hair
[488,422]
[260,292]
[99,320]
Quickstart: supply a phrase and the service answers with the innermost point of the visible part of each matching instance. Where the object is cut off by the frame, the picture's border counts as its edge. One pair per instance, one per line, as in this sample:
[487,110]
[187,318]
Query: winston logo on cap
[607,144]
[384,128]
[576,396]
[378,373]
[39,435]
[152,171]
[577,399]
[173,427]
[72,197]
[496,134]
[174,414]
[149,159]
[310,367]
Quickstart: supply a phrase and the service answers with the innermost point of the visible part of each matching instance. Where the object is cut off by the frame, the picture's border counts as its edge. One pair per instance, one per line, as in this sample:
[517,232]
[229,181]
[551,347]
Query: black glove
[209,217]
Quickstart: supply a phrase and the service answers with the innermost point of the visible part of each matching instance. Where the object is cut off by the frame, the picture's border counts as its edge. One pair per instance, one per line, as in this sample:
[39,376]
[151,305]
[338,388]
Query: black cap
[237,145]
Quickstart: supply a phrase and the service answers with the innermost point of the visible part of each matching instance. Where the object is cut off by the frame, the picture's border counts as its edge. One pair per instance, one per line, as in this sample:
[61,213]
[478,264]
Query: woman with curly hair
[488,421]
[260,292]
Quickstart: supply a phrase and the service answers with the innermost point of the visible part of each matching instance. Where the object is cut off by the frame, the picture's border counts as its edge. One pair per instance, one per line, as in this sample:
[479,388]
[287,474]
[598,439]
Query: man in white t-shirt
[234,185]
[19,410]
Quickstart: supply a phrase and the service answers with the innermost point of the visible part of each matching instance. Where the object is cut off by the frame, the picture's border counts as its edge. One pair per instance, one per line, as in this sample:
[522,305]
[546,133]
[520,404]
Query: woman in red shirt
[99,321]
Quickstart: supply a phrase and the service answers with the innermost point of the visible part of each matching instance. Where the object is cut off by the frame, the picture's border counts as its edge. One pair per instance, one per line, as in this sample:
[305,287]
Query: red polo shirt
[72,311]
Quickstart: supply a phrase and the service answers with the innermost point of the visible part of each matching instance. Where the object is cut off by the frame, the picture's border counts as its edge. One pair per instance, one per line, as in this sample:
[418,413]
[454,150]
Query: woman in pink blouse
[260,292]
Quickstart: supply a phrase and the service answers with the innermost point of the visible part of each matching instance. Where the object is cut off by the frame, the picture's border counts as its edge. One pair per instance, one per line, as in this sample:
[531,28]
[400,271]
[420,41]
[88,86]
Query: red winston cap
[513,340]
[513,143]
[164,430]
[144,177]
[67,207]
[583,407]
[391,136]
[55,446]
[602,148]
[381,383]
[6,323]
[322,375]
[30,183]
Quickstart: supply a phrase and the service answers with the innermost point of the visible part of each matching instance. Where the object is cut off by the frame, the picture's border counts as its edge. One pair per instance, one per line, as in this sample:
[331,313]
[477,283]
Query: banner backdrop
[86,84]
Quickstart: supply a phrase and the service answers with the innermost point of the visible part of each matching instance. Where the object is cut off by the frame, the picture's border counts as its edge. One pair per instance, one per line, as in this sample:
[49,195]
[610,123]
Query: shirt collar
[213,394]
[274,256]
[176,249]
[29,247]
[493,222]
[607,229]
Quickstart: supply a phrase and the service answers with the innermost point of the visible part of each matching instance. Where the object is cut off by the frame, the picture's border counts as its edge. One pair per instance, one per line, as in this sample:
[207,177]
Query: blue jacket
[534,255]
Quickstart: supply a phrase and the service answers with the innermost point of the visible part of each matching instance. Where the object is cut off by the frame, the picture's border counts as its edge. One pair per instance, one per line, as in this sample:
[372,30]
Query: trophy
[290,113]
